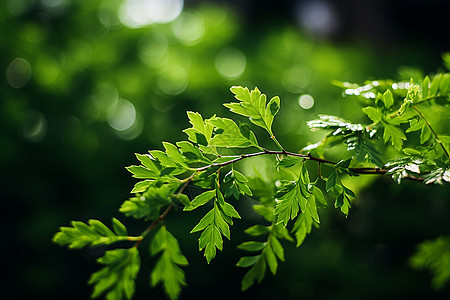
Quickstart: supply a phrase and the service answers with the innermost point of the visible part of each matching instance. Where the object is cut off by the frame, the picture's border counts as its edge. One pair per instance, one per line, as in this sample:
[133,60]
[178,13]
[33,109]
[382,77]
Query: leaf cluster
[396,123]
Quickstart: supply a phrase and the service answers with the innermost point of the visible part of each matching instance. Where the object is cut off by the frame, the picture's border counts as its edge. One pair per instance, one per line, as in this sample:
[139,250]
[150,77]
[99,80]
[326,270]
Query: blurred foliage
[81,92]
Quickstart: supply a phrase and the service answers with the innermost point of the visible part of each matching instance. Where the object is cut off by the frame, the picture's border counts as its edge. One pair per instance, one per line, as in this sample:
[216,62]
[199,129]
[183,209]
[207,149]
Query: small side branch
[162,217]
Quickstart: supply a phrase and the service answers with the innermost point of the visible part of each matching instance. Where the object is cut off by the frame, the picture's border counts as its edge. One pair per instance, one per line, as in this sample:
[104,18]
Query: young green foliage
[95,233]
[397,138]
[271,250]
[215,223]
[167,269]
[229,135]
[238,184]
[116,278]
[435,256]
[253,105]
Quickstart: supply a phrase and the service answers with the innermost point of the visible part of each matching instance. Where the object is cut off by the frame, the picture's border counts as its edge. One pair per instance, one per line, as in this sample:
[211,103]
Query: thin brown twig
[162,217]
[365,171]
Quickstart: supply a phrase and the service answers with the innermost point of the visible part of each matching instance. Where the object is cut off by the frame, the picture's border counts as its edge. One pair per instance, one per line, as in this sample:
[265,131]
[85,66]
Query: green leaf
[289,161]
[276,246]
[434,86]
[167,269]
[229,210]
[425,134]
[271,259]
[205,221]
[200,133]
[215,224]
[388,99]
[311,208]
[149,204]
[229,135]
[265,212]
[394,134]
[192,153]
[116,278]
[281,232]
[257,230]
[287,206]
[319,196]
[444,86]
[247,261]
[415,125]
[199,125]
[142,172]
[331,181]
[238,186]
[271,249]
[274,106]
[339,200]
[173,152]
[425,87]
[200,200]
[302,227]
[253,105]
[148,162]
[373,113]
[119,228]
[256,273]
[251,246]
[141,186]
[434,255]
[94,234]
[163,159]
[410,151]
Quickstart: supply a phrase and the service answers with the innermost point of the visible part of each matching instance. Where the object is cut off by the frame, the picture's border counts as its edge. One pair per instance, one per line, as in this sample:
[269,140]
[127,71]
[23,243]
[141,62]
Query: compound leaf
[116,278]
[167,269]
[229,135]
[94,233]
[253,105]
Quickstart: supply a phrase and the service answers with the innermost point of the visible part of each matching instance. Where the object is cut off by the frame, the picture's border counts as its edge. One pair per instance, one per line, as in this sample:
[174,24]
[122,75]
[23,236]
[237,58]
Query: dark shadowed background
[86,84]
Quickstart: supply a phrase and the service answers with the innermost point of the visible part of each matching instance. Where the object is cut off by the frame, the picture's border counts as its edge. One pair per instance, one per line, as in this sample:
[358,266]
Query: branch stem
[366,171]
[162,217]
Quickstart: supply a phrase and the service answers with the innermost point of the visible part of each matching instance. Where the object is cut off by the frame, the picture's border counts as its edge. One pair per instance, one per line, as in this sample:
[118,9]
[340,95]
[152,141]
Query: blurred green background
[87,83]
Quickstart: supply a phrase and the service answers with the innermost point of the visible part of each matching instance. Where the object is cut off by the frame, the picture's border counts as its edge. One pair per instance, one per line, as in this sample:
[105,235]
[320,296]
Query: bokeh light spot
[122,116]
[105,97]
[79,56]
[153,50]
[306,101]
[18,73]
[47,70]
[318,17]
[56,7]
[296,79]
[141,13]
[230,63]
[133,131]
[173,80]
[34,126]
[107,14]
[189,28]
[34,33]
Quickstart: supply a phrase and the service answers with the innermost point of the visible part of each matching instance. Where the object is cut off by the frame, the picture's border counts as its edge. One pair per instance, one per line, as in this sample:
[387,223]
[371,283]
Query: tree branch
[362,171]
[165,213]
